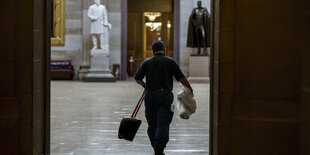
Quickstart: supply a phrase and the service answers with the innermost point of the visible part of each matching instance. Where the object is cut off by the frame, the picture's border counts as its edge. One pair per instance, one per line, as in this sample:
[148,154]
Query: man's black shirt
[159,71]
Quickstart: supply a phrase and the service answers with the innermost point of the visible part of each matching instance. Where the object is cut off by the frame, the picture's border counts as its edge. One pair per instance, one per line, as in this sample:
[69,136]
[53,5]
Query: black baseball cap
[158,46]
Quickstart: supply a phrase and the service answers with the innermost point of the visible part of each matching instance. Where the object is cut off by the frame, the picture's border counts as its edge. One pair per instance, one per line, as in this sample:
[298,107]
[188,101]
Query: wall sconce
[169,24]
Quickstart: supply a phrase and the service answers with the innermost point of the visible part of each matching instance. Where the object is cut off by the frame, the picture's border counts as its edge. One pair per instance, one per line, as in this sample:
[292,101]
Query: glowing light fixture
[152,15]
[155,26]
[169,24]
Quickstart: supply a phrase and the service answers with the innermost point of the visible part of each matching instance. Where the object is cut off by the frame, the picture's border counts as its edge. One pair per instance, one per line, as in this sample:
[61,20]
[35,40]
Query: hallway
[85,120]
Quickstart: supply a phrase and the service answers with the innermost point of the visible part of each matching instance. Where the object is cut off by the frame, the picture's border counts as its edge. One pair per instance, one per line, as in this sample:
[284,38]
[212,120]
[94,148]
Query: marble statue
[98,16]
[99,70]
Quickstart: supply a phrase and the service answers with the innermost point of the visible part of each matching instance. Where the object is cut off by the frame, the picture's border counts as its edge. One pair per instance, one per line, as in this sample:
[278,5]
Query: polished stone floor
[85,120]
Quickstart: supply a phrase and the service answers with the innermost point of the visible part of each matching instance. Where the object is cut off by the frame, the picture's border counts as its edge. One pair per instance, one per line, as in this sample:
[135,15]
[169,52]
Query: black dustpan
[130,125]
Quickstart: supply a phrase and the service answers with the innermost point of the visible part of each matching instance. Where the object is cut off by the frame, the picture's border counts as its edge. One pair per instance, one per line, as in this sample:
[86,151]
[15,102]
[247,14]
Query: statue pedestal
[199,69]
[99,67]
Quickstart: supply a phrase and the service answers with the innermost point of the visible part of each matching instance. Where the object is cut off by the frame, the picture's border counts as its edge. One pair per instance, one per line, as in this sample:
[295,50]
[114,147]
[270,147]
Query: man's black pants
[159,116]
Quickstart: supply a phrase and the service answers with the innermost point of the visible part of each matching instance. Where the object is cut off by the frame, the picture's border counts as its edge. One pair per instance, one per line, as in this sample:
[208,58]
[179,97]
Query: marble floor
[86,116]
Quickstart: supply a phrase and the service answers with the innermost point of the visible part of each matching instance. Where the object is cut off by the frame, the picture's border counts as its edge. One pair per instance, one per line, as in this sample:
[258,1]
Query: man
[97,14]
[159,71]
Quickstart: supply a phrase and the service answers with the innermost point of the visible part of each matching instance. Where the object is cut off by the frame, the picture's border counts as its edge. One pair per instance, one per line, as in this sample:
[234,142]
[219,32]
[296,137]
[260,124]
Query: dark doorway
[146,25]
[140,29]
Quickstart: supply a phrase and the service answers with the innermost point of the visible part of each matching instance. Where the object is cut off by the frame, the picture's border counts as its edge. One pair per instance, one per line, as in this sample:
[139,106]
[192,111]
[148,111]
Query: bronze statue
[199,29]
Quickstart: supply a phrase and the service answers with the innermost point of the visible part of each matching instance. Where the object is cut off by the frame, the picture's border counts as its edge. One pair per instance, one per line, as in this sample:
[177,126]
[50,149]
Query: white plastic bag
[186,103]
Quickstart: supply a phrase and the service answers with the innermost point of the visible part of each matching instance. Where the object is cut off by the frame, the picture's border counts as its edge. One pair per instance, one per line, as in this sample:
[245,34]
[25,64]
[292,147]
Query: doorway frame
[124,39]
[47,76]
[213,101]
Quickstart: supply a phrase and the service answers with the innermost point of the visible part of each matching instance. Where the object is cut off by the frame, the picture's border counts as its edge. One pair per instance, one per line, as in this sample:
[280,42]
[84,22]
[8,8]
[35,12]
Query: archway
[177,3]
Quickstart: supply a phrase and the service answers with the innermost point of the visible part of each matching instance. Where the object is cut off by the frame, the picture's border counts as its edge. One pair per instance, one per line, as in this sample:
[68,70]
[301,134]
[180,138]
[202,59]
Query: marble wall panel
[227,39]
[226,77]
[23,47]
[305,88]
[227,18]
[38,92]
[259,68]
[305,124]
[8,79]
[26,139]
[10,134]
[73,43]
[23,54]
[38,45]
[22,8]
[74,38]
[115,35]
[270,137]
[113,6]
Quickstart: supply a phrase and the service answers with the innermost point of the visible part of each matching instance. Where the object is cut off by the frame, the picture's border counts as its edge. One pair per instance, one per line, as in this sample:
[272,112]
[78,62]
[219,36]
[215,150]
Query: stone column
[139,39]
[84,68]
[24,77]
[164,29]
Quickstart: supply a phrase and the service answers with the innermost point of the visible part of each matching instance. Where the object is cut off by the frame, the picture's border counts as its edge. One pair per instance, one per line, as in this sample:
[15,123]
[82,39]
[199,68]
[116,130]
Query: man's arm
[179,76]
[141,82]
[186,84]
[140,74]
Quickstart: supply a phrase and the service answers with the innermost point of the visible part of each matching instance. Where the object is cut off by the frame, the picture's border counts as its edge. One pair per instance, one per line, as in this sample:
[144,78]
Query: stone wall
[73,39]
[78,39]
[255,93]
[114,9]
[186,7]
[305,86]
[22,80]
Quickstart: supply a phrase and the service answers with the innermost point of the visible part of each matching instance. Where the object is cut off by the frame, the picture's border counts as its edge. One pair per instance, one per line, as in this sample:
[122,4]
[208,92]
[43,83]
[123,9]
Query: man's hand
[140,82]
[186,84]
